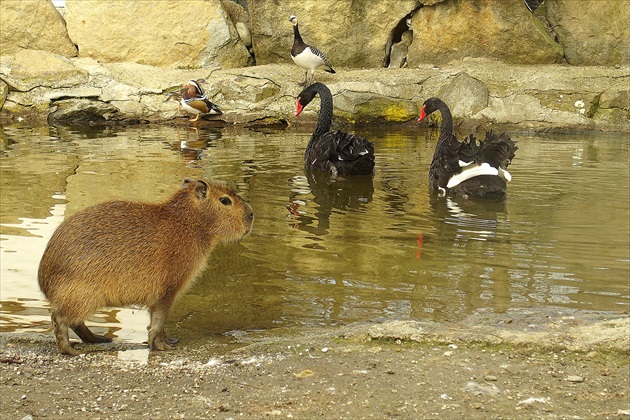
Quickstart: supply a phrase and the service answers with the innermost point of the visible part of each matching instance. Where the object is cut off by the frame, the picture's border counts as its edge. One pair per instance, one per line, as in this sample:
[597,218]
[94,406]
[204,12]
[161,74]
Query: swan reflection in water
[329,194]
[466,220]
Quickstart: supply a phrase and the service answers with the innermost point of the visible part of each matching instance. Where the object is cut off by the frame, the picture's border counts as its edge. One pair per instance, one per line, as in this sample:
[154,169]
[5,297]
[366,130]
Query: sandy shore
[560,364]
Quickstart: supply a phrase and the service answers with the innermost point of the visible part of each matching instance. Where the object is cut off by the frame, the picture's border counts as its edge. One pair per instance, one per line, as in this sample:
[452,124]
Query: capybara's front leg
[60,326]
[88,336]
[157,338]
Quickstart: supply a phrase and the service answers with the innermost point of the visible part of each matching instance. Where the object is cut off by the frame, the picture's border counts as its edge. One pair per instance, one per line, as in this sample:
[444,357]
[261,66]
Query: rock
[575,378]
[465,95]
[365,106]
[479,91]
[398,330]
[81,110]
[478,389]
[33,24]
[244,33]
[614,107]
[198,33]
[30,68]
[398,54]
[501,30]
[351,34]
[592,32]
[4,91]
[240,19]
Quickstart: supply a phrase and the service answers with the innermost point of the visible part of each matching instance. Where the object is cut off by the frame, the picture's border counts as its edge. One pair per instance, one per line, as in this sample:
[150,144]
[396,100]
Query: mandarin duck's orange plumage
[194,100]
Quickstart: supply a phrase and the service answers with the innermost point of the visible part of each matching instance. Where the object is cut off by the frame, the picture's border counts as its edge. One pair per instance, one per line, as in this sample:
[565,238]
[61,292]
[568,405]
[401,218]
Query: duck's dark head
[194,87]
[293,20]
[430,106]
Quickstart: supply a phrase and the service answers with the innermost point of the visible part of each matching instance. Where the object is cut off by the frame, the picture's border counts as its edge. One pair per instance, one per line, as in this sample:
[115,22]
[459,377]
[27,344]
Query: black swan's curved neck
[325,112]
[446,127]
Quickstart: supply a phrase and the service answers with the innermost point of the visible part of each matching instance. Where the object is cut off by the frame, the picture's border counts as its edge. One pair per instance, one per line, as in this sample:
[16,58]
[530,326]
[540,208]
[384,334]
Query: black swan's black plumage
[334,152]
[453,159]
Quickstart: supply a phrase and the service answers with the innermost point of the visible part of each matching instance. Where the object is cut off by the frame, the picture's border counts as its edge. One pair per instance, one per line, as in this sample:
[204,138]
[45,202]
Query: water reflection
[328,194]
[324,251]
[192,141]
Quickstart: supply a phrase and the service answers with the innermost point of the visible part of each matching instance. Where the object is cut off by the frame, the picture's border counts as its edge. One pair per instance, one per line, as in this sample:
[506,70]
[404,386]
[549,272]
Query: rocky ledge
[42,87]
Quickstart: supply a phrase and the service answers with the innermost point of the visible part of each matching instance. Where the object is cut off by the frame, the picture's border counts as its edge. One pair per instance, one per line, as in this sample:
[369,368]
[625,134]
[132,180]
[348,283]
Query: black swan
[307,56]
[194,100]
[334,152]
[476,169]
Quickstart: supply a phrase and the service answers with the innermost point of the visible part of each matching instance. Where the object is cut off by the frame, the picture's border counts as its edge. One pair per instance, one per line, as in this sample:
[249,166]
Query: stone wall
[33,24]
[194,33]
[353,34]
[46,87]
[504,30]
[592,32]
[131,53]
[350,33]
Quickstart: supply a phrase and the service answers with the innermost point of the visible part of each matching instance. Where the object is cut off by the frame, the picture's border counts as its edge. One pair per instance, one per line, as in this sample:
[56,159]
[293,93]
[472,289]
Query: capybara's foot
[88,336]
[68,349]
[60,327]
[159,344]
[159,341]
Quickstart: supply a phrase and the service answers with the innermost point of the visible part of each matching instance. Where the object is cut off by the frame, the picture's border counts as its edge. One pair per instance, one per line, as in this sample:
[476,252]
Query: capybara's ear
[201,189]
[186,182]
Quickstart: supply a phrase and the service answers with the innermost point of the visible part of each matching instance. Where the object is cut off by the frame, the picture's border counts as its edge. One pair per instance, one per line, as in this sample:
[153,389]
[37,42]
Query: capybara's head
[229,216]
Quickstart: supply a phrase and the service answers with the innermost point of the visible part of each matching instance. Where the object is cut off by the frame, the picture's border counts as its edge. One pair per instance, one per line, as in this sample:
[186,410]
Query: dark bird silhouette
[469,168]
[334,152]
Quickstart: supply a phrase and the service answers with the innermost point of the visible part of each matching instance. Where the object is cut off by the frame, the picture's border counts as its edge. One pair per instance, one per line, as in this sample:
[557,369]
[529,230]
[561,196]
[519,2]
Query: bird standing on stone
[307,56]
[195,101]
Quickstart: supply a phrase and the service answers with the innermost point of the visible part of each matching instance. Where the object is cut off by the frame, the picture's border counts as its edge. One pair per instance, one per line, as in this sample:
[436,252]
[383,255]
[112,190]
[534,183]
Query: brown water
[329,253]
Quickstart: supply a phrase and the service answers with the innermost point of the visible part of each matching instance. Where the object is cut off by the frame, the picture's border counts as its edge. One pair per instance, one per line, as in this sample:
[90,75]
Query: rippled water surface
[324,252]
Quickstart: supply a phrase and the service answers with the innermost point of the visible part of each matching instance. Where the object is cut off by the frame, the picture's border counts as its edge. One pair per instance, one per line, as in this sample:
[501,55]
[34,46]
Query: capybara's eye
[225,201]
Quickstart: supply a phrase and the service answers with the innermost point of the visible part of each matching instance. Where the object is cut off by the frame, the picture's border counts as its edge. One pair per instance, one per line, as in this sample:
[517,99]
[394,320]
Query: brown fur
[128,253]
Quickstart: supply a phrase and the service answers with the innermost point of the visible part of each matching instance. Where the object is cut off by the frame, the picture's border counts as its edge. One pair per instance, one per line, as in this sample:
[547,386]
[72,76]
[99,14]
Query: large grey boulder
[503,30]
[592,32]
[465,95]
[33,24]
[191,34]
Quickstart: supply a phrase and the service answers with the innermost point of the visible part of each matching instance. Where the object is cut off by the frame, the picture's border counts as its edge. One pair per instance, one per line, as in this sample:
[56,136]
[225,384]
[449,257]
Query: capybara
[124,253]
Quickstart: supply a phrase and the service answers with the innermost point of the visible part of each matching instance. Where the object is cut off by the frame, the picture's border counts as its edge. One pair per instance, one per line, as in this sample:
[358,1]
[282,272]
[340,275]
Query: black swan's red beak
[299,108]
[423,114]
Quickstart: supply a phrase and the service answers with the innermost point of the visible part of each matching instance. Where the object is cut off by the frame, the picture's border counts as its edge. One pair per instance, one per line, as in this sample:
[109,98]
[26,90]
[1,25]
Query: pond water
[331,253]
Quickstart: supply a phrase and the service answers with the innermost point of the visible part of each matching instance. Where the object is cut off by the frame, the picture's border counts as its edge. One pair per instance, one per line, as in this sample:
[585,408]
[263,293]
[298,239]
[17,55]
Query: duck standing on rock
[334,152]
[469,168]
[307,56]
[195,101]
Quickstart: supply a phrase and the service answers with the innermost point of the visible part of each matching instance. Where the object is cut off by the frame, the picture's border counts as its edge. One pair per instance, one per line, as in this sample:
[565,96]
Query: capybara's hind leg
[88,336]
[60,326]
[157,338]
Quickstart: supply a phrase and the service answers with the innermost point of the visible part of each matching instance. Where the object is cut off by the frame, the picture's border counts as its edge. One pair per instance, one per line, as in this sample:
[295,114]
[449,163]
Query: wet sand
[557,364]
